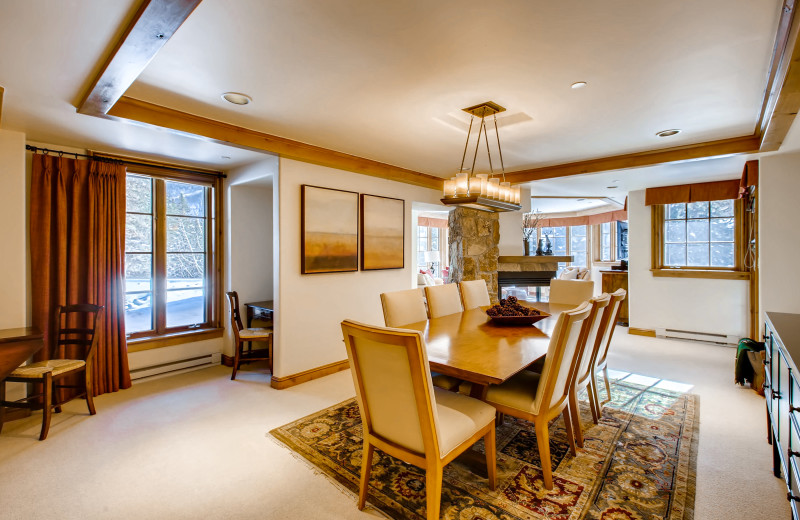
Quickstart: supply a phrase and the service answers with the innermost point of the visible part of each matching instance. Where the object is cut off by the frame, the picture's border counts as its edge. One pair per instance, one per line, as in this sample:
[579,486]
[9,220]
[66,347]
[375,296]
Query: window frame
[443,246]
[659,268]
[597,243]
[161,335]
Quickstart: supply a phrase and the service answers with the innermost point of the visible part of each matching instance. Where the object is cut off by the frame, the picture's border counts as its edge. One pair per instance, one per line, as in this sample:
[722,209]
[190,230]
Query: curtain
[700,192]
[77,241]
[585,220]
[432,222]
[749,177]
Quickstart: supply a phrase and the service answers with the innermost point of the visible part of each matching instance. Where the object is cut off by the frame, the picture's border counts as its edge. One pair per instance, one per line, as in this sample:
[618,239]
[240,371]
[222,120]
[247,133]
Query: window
[171,253]
[605,242]
[430,239]
[610,241]
[577,245]
[699,236]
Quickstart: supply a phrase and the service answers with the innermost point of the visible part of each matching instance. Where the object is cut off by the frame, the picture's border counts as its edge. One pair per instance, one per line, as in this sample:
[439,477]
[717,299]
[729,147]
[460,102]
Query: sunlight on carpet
[637,463]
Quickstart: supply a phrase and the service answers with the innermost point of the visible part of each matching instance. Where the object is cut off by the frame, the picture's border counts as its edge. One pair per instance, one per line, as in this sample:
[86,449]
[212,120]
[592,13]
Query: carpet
[639,463]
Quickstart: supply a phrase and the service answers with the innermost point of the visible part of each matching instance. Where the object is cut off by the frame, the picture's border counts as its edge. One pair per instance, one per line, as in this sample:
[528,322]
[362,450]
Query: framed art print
[382,232]
[329,230]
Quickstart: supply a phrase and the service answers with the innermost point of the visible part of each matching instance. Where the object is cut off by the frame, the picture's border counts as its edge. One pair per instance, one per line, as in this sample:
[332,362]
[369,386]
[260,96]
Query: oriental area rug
[639,463]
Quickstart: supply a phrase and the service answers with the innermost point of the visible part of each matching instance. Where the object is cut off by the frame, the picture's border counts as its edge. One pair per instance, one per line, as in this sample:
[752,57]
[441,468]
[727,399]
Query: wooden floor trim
[642,332]
[280,383]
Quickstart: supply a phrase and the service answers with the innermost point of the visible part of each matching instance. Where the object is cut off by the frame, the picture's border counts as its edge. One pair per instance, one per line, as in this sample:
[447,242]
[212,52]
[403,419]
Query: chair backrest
[76,330]
[474,293]
[570,292]
[443,299]
[559,363]
[609,323]
[393,385]
[236,318]
[588,342]
[403,307]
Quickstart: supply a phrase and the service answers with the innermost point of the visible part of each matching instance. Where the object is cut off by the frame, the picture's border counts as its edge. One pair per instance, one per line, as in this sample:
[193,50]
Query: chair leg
[236,357]
[605,380]
[87,379]
[592,391]
[543,441]
[366,468]
[490,447]
[569,429]
[573,412]
[433,489]
[47,400]
[3,405]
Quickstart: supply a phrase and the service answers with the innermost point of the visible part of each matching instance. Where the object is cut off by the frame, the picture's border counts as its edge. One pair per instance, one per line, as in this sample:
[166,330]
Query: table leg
[479,391]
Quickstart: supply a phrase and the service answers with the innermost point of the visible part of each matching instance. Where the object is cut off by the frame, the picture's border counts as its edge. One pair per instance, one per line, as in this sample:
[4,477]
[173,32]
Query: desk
[259,310]
[468,346]
[17,345]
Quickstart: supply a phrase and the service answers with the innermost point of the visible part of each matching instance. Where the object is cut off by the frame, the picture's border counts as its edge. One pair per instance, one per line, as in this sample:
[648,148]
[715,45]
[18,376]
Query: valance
[432,222]
[585,220]
[700,192]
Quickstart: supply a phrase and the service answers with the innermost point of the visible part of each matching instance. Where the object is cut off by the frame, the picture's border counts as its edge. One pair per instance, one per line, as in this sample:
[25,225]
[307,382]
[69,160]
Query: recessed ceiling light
[578,84]
[237,98]
[580,200]
[225,157]
[668,133]
[612,187]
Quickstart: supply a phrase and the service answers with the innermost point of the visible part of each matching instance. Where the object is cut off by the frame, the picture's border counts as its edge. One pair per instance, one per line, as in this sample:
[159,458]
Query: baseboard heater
[705,337]
[181,365]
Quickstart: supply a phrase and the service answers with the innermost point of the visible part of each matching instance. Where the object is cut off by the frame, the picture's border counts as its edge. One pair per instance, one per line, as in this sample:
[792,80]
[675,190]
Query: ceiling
[386,80]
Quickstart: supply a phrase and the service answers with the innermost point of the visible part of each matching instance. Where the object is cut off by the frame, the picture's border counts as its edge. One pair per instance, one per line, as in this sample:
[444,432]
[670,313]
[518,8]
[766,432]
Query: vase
[539,249]
[526,247]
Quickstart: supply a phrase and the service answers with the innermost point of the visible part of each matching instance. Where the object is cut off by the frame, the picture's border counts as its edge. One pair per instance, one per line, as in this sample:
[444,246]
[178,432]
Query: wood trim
[176,338]
[183,122]
[280,383]
[736,145]
[2,91]
[755,310]
[642,332]
[782,94]
[153,25]
[701,273]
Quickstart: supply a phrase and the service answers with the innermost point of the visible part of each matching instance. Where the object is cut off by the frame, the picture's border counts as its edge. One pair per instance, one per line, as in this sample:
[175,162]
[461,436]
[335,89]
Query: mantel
[517,264]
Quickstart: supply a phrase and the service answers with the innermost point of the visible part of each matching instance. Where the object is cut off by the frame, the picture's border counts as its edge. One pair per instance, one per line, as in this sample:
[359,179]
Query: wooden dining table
[469,346]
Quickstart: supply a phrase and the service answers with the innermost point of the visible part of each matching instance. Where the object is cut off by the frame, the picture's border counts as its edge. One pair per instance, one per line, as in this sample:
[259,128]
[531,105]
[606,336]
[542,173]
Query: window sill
[175,338]
[702,273]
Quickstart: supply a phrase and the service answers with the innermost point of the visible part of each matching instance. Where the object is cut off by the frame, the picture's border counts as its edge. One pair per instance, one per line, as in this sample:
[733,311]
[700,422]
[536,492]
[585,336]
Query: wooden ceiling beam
[154,24]
[185,123]
[736,145]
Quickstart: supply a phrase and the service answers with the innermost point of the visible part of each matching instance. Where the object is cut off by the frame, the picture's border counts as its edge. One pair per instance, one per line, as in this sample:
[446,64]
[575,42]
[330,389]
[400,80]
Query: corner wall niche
[473,241]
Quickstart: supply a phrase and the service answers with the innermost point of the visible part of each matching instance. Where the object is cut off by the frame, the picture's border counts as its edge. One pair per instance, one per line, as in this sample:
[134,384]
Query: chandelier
[483,191]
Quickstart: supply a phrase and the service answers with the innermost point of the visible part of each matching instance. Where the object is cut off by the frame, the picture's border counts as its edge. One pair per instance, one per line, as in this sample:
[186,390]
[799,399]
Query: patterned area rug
[638,463]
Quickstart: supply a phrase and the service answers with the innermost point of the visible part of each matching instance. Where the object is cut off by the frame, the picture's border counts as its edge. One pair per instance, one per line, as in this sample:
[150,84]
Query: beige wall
[690,304]
[312,306]
[13,234]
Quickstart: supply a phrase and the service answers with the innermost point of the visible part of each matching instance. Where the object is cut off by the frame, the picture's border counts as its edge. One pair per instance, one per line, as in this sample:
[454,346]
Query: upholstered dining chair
[538,398]
[404,415]
[600,359]
[72,354]
[241,335]
[443,300]
[570,292]
[588,344]
[404,307]
[474,293]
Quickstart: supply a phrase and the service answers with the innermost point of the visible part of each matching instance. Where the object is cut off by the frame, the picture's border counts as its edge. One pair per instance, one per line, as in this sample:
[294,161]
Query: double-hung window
[171,253]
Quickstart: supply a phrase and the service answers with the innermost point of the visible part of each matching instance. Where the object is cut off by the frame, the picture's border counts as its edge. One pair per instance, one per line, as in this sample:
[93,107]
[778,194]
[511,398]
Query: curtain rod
[101,158]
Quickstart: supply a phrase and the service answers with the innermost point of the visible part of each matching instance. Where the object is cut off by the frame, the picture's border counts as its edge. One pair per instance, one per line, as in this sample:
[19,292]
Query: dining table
[470,346]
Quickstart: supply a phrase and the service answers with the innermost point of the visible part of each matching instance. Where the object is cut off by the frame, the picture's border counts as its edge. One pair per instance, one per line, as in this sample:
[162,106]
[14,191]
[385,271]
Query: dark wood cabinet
[782,392]
[613,280]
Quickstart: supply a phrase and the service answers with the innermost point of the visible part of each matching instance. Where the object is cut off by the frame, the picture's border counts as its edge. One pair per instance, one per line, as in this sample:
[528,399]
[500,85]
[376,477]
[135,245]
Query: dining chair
[404,415]
[600,358]
[242,335]
[404,307]
[570,292]
[72,353]
[538,398]
[588,344]
[443,300]
[474,293]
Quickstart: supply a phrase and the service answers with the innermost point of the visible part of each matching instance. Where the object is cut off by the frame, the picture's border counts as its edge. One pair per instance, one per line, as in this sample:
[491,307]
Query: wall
[311,307]
[691,304]
[779,234]
[13,235]
[511,226]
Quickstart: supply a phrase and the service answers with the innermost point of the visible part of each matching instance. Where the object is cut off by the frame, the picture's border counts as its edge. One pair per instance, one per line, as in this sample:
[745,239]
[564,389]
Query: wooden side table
[613,280]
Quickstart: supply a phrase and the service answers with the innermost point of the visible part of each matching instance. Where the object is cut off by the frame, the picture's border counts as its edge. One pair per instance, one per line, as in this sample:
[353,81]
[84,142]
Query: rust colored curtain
[77,240]
[432,222]
[700,192]
[585,220]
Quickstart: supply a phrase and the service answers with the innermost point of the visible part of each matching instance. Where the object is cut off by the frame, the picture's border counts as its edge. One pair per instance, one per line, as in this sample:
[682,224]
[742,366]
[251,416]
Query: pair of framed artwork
[330,231]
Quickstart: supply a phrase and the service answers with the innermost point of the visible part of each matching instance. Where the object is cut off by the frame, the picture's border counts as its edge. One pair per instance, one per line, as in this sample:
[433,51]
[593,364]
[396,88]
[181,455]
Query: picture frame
[382,232]
[328,230]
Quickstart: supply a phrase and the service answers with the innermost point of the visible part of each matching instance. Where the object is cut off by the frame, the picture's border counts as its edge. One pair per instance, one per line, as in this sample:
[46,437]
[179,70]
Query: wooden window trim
[173,338]
[658,269]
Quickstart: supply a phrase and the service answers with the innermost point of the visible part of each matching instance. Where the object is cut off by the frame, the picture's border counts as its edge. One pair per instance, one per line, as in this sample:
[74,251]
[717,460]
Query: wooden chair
[570,292]
[443,300]
[73,351]
[404,307]
[600,358]
[242,335]
[474,293]
[404,415]
[538,398]
[588,346]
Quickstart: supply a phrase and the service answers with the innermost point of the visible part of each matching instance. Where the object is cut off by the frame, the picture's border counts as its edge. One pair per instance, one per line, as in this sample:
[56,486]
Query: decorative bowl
[518,320]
